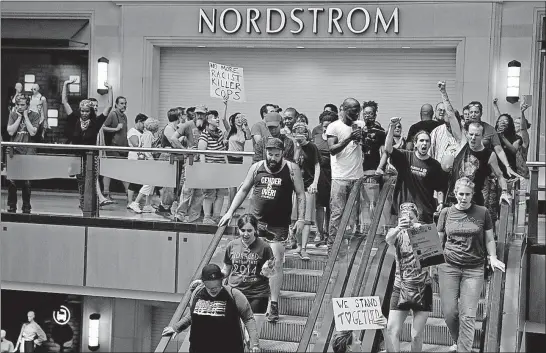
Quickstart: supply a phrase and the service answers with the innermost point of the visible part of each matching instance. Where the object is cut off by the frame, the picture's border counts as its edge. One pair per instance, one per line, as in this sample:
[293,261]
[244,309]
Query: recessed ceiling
[45,29]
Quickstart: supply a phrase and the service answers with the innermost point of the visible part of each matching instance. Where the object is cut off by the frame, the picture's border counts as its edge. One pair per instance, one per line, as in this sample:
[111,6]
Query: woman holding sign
[469,238]
[412,285]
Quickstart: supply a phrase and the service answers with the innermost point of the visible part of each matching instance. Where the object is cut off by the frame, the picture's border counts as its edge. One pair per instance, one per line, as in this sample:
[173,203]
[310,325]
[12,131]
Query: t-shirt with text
[417,180]
[247,263]
[465,244]
[406,262]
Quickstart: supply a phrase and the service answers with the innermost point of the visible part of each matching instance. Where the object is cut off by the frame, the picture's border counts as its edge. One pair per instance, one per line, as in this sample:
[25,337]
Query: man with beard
[419,175]
[473,160]
[344,137]
[273,181]
[273,124]
[427,122]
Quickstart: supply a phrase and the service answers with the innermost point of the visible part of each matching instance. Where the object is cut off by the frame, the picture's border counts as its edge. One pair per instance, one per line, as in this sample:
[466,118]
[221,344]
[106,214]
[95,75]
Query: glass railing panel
[353,255]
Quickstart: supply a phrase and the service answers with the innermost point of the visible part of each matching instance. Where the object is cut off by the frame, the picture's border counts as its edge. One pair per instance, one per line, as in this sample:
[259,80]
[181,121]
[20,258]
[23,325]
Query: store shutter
[161,316]
[399,80]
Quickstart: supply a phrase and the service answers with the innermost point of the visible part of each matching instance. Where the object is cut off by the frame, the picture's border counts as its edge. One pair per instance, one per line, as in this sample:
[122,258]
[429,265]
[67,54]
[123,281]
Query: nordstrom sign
[358,20]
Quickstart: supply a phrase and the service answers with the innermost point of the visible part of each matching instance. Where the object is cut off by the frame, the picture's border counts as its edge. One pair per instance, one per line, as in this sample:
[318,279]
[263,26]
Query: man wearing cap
[273,181]
[273,123]
[215,311]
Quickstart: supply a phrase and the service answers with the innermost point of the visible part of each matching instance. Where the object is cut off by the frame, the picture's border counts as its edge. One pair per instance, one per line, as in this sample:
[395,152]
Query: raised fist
[442,85]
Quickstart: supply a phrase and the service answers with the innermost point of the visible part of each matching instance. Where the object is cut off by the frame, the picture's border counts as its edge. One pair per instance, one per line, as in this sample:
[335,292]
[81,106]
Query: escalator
[358,266]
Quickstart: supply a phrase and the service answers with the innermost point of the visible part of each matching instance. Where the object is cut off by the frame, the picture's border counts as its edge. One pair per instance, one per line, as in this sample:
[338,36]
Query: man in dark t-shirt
[419,175]
[273,181]
[427,122]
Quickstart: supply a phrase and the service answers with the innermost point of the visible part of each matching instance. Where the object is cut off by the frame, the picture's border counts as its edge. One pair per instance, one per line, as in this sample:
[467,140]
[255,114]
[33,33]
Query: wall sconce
[512,84]
[93,342]
[102,75]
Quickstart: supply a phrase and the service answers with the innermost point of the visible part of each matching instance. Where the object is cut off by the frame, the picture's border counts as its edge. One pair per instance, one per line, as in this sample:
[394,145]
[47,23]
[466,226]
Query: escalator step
[294,261]
[437,333]
[277,346]
[287,329]
[296,303]
[299,280]
[406,347]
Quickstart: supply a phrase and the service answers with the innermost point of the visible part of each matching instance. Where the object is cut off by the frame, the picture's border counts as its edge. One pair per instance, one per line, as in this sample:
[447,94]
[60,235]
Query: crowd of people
[452,169]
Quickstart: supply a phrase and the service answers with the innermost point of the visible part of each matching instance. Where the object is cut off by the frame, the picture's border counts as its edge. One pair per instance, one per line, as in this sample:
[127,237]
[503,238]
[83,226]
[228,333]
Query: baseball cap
[272,119]
[274,142]
[211,272]
[201,109]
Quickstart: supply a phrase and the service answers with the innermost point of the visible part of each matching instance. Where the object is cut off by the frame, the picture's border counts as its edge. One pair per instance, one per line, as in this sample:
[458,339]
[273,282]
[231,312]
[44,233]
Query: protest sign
[227,81]
[426,245]
[356,313]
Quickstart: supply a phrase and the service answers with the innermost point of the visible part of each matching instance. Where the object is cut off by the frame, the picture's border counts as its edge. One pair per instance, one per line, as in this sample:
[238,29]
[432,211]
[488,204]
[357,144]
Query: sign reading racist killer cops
[227,81]
[356,313]
[426,244]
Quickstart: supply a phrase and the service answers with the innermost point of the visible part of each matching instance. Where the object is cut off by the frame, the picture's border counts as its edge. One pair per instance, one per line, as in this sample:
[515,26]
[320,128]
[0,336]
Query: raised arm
[523,130]
[496,107]
[453,122]
[390,134]
[225,119]
[110,103]
[64,98]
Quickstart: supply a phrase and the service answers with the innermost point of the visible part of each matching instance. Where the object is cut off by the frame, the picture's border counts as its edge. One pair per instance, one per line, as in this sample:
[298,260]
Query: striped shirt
[213,144]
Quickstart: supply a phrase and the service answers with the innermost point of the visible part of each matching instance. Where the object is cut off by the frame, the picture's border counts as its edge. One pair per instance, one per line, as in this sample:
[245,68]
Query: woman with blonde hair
[151,126]
[466,229]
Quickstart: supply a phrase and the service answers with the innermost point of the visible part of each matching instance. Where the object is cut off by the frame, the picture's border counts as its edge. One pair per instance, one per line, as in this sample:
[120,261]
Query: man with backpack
[214,316]
[273,180]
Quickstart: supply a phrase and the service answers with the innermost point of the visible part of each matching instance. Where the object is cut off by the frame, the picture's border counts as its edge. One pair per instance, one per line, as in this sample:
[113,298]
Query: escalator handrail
[329,268]
[372,231]
[165,340]
[495,301]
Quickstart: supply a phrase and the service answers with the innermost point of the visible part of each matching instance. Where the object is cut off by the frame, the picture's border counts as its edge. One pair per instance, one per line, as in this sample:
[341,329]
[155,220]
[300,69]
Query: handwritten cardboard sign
[426,245]
[227,81]
[356,313]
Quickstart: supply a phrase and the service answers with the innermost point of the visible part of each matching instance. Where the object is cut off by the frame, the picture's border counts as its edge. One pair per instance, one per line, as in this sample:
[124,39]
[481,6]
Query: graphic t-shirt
[417,180]
[247,263]
[309,157]
[474,165]
[272,198]
[347,164]
[465,231]
[407,263]
[373,139]
[218,316]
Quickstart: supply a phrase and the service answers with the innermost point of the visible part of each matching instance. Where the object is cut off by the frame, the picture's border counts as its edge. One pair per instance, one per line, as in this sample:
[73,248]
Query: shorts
[234,160]
[272,234]
[117,154]
[134,187]
[396,296]
[258,305]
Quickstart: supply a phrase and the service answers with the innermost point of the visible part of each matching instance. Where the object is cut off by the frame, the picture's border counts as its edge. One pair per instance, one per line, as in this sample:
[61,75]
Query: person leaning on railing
[466,229]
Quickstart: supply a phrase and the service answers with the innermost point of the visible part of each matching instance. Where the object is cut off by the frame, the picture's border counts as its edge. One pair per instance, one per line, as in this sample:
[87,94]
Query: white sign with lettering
[357,313]
[227,81]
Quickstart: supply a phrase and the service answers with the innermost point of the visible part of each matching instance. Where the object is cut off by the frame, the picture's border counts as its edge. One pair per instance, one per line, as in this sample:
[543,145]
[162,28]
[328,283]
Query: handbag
[412,294]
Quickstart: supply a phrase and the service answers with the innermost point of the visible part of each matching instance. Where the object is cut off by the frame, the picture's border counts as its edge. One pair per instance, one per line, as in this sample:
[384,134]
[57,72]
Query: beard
[274,166]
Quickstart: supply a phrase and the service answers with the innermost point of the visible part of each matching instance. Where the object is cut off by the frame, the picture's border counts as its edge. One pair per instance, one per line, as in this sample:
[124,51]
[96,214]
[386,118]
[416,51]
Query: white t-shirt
[347,164]
[130,133]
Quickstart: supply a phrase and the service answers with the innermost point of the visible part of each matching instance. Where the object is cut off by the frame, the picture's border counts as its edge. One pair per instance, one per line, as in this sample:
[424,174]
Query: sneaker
[12,210]
[453,348]
[148,209]
[273,314]
[134,207]
[304,256]
[209,221]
